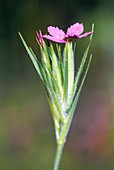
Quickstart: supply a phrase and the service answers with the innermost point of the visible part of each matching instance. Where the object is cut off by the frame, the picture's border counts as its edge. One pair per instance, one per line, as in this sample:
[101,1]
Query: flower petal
[54,39]
[75,29]
[56,32]
[84,35]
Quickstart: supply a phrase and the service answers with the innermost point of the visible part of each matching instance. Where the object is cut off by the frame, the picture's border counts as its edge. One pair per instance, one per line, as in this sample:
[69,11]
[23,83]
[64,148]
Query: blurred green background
[27,140]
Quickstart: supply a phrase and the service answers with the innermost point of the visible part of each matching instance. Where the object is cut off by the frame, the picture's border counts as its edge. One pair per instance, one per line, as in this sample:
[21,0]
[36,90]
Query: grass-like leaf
[70,70]
[60,57]
[78,76]
[56,69]
[80,87]
[65,72]
[32,56]
[73,107]
[45,58]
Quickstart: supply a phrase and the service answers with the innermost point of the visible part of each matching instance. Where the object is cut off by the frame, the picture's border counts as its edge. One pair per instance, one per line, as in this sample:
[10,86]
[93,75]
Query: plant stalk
[61,141]
[58,156]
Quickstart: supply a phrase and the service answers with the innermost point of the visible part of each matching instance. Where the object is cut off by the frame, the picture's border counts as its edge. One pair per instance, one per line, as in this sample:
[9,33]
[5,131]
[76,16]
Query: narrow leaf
[78,76]
[56,69]
[65,72]
[32,56]
[50,88]
[66,126]
[80,87]
[60,58]
[70,70]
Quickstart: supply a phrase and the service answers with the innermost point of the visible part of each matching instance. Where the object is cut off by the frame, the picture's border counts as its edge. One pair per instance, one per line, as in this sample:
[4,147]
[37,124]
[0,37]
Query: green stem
[62,140]
[58,156]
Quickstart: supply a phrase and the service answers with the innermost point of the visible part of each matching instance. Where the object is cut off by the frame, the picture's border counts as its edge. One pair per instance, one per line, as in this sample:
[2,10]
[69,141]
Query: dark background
[27,138]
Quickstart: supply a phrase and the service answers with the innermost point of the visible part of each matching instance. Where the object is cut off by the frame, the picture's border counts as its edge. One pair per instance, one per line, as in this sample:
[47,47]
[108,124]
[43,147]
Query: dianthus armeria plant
[61,79]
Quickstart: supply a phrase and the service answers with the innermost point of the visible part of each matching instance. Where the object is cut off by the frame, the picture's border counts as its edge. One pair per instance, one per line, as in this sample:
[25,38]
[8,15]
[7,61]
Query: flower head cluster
[61,79]
[58,35]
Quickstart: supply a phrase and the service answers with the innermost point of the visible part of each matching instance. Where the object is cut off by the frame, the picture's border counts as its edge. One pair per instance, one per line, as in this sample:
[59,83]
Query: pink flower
[40,37]
[73,32]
